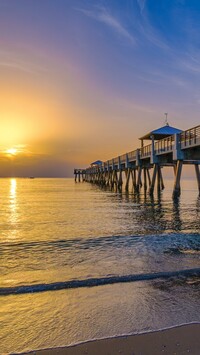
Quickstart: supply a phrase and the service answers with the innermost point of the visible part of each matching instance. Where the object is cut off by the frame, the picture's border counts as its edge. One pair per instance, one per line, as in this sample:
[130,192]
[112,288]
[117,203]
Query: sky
[82,80]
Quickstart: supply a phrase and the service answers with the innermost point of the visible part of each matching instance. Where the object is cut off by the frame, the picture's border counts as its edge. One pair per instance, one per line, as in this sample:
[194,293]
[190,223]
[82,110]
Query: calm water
[55,231]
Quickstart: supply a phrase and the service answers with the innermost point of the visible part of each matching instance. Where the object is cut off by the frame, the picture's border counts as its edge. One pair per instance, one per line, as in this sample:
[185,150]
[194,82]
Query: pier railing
[164,145]
[145,152]
[122,158]
[132,155]
[190,137]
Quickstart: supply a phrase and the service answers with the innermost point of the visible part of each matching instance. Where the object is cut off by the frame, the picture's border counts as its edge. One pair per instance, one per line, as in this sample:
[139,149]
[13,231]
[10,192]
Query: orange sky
[80,84]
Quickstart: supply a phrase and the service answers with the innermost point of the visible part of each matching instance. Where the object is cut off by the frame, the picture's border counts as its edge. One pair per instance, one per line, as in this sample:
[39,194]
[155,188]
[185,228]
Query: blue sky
[106,70]
[144,51]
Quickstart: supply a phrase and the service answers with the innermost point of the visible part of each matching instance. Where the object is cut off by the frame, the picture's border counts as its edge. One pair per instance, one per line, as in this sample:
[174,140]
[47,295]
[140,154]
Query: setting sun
[12,151]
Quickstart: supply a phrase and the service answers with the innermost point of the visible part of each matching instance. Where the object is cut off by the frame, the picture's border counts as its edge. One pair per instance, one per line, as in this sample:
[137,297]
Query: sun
[12,151]
[18,149]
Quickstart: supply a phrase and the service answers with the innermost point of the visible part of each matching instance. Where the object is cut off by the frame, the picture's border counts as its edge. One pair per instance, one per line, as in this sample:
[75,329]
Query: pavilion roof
[161,132]
[97,162]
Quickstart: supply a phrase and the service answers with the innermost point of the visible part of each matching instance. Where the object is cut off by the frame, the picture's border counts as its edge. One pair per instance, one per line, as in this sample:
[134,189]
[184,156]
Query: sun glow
[11,151]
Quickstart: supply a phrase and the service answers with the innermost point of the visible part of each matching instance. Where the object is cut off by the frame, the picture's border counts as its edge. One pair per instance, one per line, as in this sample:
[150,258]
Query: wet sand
[179,340]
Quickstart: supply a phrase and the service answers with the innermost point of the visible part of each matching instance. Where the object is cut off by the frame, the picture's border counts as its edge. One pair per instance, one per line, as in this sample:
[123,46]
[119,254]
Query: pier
[142,168]
[79,174]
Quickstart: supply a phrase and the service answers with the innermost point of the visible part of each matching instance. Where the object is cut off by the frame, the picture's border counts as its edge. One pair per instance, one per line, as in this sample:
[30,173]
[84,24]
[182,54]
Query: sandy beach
[179,340]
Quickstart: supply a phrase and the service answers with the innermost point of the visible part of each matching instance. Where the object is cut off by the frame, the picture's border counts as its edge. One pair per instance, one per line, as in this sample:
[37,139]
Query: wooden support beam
[174,167]
[127,180]
[108,179]
[162,186]
[135,182]
[151,190]
[120,180]
[198,177]
[110,183]
[133,175]
[145,178]
[158,178]
[105,177]
[139,179]
[102,178]
[177,181]
[149,177]
[112,179]
[115,178]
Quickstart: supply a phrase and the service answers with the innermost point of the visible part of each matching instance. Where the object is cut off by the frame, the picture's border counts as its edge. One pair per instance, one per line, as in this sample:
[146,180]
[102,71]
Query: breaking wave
[92,282]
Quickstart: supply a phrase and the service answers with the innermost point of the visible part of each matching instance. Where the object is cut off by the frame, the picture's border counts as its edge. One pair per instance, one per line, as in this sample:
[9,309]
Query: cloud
[133,106]
[190,63]
[141,4]
[17,66]
[13,60]
[167,78]
[101,15]
[144,26]
[152,37]
[150,34]
[148,30]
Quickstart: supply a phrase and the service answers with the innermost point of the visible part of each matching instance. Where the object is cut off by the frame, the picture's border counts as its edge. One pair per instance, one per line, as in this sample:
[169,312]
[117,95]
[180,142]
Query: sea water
[68,249]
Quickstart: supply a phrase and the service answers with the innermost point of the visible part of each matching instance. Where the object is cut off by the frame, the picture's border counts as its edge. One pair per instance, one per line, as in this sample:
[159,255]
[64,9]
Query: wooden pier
[79,175]
[142,168]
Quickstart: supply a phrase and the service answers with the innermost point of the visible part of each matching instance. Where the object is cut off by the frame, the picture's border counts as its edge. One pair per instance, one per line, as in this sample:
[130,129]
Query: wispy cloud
[174,79]
[148,30]
[17,66]
[152,37]
[141,4]
[13,60]
[190,62]
[150,34]
[102,15]
[133,106]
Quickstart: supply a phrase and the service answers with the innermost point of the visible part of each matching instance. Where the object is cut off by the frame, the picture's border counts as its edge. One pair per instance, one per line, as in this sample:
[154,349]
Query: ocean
[79,263]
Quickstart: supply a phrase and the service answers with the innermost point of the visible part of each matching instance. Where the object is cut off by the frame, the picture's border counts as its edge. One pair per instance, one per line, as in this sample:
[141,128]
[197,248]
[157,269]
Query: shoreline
[182,339]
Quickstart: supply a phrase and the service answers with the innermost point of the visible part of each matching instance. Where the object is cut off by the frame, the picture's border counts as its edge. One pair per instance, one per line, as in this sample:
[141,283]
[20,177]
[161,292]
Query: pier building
[142,168]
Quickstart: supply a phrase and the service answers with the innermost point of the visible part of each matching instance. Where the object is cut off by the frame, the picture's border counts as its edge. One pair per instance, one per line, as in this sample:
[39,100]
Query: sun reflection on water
[13,205]
[13,186]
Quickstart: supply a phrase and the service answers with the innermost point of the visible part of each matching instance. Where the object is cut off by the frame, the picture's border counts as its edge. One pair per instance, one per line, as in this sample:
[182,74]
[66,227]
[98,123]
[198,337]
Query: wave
[181,250]
[92,282]
[85,243]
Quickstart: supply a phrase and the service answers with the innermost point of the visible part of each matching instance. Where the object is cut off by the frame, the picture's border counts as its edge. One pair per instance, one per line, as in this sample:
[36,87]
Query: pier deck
[142,167]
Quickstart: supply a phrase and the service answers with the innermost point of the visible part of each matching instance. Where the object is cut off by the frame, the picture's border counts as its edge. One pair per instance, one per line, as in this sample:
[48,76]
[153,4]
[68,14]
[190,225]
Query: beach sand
[178,340]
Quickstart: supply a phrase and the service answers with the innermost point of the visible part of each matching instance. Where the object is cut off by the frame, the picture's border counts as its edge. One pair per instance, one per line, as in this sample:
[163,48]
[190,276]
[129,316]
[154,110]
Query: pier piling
[197,176]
